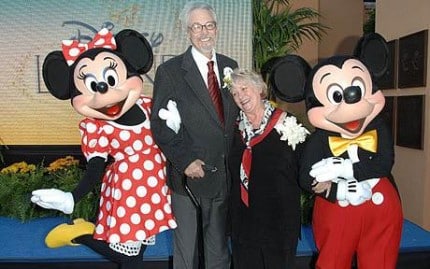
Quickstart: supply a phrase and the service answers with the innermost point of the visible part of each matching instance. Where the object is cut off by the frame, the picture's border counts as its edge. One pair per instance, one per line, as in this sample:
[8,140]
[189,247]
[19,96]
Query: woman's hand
[320,187]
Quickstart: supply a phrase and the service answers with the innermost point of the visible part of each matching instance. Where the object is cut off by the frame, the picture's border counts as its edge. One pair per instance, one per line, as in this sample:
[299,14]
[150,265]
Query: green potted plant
[279,30]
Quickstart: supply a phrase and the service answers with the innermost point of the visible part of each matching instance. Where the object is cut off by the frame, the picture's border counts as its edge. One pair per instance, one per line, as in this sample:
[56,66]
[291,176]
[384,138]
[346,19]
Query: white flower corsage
[227,78]
[292,131]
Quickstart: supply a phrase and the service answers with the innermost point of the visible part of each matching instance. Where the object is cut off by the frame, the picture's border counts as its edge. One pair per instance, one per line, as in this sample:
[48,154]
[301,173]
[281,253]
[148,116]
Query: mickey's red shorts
[370,230]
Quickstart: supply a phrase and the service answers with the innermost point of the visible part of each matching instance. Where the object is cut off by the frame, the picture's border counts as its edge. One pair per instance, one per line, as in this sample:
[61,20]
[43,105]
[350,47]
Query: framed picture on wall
[388,81]
[410,121]
[412,60]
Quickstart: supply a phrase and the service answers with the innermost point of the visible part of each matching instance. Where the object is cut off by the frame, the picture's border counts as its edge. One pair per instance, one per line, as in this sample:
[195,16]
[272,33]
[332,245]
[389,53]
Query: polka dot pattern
[135,201]
[72,48]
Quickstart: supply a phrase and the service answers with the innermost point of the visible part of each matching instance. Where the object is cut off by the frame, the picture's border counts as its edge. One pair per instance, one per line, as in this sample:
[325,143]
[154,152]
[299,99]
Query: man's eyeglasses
[197,27]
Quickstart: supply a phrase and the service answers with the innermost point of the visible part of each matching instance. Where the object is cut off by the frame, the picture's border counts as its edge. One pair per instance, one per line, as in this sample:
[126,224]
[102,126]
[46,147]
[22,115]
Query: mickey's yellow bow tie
[367,141]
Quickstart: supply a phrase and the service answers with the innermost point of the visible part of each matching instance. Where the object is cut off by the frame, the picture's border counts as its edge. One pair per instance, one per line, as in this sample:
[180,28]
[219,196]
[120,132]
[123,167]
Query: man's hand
[195,169]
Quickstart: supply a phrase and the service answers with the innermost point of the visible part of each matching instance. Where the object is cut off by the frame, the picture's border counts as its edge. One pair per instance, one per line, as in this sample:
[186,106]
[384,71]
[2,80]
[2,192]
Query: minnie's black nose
[102,87]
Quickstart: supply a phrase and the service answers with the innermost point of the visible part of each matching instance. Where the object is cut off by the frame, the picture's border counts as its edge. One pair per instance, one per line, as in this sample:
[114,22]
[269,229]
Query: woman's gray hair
[249,76]
[184,16]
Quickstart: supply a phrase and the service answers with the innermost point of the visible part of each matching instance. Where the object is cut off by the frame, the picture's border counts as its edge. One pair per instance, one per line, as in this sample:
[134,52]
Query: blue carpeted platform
[24,242]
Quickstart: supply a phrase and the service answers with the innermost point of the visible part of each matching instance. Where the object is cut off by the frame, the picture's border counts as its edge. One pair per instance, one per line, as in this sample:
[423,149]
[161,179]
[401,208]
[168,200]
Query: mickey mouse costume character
[347,161]
[102,79]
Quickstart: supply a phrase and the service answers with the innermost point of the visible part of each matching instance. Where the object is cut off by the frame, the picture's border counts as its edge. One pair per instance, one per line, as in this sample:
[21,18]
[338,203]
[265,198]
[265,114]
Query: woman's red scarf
[247,154]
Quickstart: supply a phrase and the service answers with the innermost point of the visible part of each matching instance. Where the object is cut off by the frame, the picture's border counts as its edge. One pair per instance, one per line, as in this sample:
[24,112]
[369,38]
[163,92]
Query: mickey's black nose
[352,94]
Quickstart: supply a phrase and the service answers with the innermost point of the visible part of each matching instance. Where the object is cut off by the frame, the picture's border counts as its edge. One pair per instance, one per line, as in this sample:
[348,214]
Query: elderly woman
[265,197]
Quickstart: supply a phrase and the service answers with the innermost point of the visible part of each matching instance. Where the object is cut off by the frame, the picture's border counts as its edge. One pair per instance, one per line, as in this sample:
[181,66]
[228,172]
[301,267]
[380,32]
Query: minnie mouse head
[102,77]
[340,92]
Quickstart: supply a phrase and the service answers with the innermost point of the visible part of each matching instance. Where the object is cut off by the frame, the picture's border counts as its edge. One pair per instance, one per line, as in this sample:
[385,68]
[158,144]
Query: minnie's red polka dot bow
[72,48]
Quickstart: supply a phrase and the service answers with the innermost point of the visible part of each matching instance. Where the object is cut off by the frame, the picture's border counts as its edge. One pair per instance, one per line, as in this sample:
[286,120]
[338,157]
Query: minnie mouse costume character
[347,161]
[102,79]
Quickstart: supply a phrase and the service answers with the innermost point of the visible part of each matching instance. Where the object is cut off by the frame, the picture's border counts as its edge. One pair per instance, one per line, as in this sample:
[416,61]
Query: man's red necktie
[214,91]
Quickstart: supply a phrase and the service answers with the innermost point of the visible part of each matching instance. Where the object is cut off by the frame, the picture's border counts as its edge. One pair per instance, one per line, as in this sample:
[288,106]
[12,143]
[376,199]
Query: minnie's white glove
[353,191]
[54,199]
[330,169]
[171,116]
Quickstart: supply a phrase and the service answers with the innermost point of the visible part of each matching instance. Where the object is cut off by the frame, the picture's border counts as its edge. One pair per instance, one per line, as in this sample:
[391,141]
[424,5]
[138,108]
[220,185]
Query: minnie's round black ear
[56,75]
[372,50]
[136,50]
[288,78]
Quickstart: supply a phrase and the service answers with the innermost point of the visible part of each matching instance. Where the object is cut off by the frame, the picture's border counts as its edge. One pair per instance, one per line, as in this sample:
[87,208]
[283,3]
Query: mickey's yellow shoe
[63,234]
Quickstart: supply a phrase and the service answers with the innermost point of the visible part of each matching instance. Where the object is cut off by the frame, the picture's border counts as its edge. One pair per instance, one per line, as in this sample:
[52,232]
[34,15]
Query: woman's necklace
[255,127]
[256,121]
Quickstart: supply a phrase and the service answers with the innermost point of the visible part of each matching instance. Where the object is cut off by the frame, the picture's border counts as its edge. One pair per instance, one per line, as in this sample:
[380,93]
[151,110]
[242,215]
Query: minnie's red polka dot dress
[135,200]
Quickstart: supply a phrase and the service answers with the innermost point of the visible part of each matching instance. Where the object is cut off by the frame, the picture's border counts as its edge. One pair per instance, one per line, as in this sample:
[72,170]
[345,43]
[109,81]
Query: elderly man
[192,122]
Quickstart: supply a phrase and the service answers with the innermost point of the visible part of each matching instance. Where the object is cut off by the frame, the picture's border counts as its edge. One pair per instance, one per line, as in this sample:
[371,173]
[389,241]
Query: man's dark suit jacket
[201,134]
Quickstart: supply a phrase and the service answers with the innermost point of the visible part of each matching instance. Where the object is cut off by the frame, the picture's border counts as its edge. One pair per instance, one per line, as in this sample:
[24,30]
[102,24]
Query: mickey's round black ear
[136,49]
[372,50]
[267,67]
[56,74]
[288,78]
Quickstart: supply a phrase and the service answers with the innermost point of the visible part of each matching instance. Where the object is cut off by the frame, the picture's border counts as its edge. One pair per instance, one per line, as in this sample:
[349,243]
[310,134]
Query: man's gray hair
[184,16]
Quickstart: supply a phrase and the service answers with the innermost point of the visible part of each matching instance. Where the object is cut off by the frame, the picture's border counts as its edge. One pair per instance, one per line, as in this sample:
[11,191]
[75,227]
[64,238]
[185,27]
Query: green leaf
[279,33]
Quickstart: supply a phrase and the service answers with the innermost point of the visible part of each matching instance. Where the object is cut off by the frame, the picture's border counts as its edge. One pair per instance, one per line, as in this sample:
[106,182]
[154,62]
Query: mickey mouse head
[340,92]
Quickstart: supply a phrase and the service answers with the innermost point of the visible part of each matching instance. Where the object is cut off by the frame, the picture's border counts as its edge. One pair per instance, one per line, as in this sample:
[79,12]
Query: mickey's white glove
[54,199]
[171,116]
[353,191]
[332,168]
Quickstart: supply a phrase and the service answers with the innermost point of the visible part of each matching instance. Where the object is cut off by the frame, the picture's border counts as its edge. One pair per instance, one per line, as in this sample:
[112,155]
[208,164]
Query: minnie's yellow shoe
[63,234]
